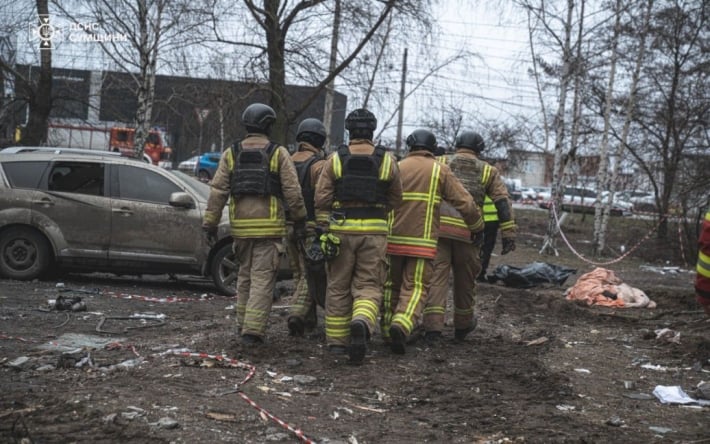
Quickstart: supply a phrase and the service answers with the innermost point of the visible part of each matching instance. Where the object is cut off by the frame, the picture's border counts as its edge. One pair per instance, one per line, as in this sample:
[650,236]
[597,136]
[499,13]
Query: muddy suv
[97,212]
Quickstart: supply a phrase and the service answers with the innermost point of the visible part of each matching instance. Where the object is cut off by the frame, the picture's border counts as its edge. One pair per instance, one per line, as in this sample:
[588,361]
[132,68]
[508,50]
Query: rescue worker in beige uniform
[358,186]
[258,179]
[455,252]
[413,239]
[309,277]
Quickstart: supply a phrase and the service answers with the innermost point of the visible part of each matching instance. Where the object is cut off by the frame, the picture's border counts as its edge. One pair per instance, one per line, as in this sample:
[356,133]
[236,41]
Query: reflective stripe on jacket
[415,223]
[256,216]
[490,213]
[329,211]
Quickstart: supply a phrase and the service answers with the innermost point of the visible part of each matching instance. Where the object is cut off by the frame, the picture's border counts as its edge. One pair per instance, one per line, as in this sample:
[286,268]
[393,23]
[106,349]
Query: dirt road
[538,369]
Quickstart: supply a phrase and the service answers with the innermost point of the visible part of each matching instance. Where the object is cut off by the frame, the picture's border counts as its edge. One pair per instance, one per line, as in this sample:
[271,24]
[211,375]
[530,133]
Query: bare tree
[152,27]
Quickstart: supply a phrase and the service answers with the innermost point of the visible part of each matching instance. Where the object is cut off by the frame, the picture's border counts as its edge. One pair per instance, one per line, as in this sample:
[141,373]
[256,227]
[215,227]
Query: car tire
[203,175]
[224,269]
[24,254]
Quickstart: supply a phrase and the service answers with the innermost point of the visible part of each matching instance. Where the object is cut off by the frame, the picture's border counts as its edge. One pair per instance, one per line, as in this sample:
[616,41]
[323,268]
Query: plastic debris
[673,394]
[668,335]
[531,275]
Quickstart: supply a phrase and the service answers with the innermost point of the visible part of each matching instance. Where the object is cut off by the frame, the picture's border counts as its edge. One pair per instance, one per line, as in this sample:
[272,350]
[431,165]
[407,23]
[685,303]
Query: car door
[145,228]
[72,205]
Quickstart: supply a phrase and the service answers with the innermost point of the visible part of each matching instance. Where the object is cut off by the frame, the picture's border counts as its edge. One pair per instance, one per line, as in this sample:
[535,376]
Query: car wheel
[224,270]
[24,254]
[203,175]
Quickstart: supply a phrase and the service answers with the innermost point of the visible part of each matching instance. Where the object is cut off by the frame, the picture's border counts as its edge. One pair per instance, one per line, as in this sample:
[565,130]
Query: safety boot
[461,333]
[398,338]
[251,340]
[358,341]
[296,326]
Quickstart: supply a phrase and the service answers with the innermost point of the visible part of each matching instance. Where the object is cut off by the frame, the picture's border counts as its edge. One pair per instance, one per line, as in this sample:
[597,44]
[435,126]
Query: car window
[77,177]
[145,185]
[24,174]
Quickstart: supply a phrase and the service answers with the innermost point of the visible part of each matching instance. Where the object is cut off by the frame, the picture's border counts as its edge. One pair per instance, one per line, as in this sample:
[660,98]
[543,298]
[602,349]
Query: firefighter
[490,235]
[414,233]
[261,180]
[358,186]
[308,275]
[702,279]
[480,179]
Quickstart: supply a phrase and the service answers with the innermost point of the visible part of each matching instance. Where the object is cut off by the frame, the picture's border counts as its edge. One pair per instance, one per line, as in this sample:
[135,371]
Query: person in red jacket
[702,279]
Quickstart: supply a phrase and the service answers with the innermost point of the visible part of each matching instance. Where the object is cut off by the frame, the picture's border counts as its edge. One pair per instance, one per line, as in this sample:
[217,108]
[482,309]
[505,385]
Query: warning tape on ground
[589,261]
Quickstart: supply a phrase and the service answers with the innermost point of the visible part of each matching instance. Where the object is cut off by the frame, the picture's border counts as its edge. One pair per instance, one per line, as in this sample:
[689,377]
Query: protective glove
[508,245]
[330,244]
[477,238]
[299,230]
[211,233]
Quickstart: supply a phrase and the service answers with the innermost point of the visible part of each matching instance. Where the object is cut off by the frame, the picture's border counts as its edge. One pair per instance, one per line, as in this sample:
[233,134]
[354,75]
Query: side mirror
[181,200]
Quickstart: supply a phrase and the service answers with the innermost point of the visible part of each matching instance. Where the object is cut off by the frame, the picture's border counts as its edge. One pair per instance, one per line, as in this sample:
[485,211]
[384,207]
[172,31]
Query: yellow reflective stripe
[460,311]
[365,308]
[405,319]
[385,167]
[258,232]
[703,266]
[419,196]
[479,225]
[412,240]
[507,225]
[433,199]
[386,319]
[274,164]
[257,223]
[486,174]
[337,166]
[453,221]
[707,216]
[434,309]
[337,326]
[378,225]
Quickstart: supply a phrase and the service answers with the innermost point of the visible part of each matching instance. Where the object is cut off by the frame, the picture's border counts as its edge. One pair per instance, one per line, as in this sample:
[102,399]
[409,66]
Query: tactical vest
[473,174]
[360,177]
[252,174]
[303,169]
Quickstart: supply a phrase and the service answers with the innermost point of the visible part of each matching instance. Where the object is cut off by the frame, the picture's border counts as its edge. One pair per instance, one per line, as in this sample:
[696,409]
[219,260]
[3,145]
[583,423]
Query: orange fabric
[589,288]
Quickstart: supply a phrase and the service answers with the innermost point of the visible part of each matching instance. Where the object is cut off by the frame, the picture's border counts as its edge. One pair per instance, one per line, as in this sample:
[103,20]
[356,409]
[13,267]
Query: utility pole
[330,89]
[400,117]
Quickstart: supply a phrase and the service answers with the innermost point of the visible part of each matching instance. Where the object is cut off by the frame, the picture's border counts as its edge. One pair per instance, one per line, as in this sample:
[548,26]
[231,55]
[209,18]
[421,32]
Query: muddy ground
[538,369]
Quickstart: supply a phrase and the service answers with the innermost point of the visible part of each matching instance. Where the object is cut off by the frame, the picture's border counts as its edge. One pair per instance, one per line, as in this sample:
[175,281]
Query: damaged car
[65,211]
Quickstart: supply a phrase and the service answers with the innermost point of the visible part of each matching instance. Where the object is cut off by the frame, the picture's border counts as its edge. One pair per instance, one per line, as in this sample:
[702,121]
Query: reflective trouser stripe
[435,306]
[337,327]
[259,262]
[410,277]
[365,310]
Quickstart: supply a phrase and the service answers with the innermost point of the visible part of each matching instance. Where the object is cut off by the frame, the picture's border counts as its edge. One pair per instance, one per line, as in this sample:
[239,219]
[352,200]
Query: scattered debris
[565,407]
[661,430]
[638,396]
[304,379]
[668,335]
[166,423]
[703,390]
[221,416]
[583,370]
[629,385]
[18,363]
[673,394]
[69,342]
[538,341]
[615,421]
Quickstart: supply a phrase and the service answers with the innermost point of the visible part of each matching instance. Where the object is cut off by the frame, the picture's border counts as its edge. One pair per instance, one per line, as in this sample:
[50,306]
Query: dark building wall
[177,100]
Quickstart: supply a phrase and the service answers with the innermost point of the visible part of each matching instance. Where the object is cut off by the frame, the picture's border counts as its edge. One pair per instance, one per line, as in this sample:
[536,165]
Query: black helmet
[312,131]
[258,117]
[361,119]
[471,140]
[422,138]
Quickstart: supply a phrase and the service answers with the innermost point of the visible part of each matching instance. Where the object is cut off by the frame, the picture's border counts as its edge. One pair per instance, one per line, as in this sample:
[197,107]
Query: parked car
[642,200]
[543,193]
[582,200]
[207,166]
[90,212]
[57,150]
[188,166]
[528,193]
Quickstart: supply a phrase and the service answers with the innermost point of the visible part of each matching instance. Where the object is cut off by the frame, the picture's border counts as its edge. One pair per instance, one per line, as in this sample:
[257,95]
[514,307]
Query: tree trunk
[330,89]
[275,50]
[602,209]
[550,241]
[40,98]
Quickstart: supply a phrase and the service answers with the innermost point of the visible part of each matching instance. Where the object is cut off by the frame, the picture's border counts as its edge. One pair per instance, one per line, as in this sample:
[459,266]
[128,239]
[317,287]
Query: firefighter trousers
[490,235]
[464,259]
[258,268]
[302,305]
[405,293]
[355,280]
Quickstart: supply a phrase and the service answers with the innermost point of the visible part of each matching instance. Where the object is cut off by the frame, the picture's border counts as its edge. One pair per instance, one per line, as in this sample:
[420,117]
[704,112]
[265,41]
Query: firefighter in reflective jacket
[480,179]
[258,175]
[413,239]
[308,275]
[358,186]
[702,279]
